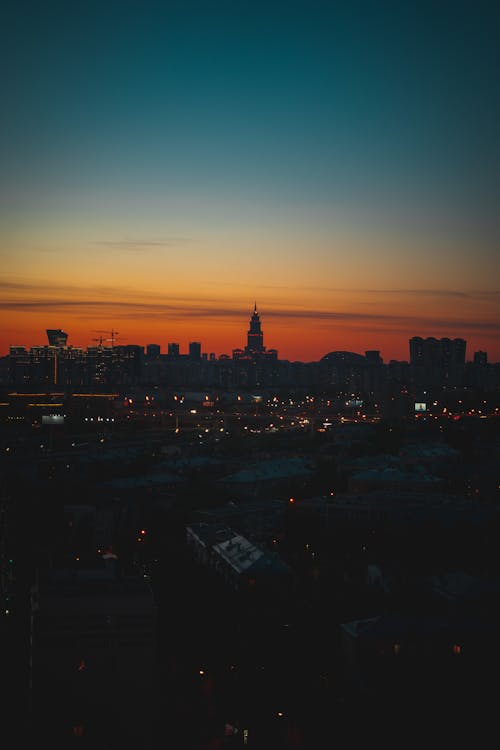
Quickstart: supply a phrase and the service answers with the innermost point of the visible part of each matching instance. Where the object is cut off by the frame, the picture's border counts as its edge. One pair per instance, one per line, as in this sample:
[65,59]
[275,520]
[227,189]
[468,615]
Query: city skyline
[420,348]
[166,165]
[112,337]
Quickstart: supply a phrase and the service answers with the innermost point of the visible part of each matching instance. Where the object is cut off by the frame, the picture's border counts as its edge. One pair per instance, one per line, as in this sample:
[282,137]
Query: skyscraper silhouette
[255,337]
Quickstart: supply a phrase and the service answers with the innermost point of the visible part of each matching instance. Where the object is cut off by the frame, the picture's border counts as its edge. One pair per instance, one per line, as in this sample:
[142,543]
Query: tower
[255,337]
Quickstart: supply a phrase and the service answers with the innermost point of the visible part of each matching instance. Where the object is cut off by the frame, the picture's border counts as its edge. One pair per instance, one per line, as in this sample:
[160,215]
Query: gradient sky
[164,164]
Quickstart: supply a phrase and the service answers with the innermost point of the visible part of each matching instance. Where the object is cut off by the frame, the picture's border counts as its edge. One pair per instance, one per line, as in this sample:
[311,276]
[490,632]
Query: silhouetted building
[437,361]
[19,365]
[255,336]
[343,370]
[56,337]
[434,364]
[153,351]
[431,351]
[373,357]
[480,374]
[194,350]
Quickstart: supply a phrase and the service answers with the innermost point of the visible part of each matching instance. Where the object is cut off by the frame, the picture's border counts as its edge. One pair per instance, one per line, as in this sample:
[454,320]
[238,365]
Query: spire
[255,307]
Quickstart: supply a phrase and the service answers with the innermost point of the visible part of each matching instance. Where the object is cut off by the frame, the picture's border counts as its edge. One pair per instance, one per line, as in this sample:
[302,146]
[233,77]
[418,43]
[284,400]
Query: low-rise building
[240,562]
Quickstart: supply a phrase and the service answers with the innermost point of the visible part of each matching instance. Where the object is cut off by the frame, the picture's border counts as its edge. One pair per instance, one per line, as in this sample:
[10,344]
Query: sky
[166,164]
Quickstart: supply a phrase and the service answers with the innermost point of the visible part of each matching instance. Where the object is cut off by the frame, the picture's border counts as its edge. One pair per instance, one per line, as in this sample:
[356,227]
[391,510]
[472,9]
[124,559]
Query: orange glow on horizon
[303,339]
[302,322]
[319,288]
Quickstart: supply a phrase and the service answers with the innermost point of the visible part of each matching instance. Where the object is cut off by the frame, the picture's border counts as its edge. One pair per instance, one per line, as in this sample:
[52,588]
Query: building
[56,337]
[393,478]
[278,477]
[394,508]
[437,351]
[93,656]
[194,350]
[420,657]
[153,351]
[437,361]
[240,563]
[255,336]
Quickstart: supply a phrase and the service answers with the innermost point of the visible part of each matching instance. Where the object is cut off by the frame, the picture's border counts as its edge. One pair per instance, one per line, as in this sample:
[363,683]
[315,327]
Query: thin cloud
[187,309]
[138,244]
[454,293]
[421,292]
[19,286]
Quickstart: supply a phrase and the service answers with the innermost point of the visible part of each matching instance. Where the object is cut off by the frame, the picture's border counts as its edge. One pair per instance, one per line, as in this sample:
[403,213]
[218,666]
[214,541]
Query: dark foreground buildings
[295,556]
[93,655]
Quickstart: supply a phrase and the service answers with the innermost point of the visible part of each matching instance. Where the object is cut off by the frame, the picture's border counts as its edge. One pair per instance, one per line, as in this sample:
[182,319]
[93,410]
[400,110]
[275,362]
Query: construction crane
[113,333]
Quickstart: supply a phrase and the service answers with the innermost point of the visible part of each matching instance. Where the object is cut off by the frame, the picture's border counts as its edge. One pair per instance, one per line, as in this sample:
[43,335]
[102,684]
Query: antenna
[113,336]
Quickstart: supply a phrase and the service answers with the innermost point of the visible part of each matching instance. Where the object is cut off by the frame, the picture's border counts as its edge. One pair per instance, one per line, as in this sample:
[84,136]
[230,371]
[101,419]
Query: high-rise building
[437,361]
[453,352]
[194,350]
[255,336]
[173,350]
[437,351]
[56,337]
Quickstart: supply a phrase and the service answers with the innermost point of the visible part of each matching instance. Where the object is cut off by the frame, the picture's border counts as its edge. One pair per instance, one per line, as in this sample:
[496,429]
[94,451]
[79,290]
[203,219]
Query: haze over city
[166,164]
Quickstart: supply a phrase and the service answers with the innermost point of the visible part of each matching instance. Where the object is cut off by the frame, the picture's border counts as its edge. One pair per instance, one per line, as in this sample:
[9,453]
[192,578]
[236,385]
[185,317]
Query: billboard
[420,407]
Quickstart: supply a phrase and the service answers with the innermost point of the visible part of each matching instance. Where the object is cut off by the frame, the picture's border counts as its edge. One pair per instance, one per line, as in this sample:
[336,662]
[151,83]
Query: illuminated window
[457,649]
[396,649]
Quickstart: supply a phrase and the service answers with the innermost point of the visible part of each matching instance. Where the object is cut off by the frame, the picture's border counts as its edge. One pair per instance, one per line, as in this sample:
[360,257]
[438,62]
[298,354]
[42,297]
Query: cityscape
[221,552]
[433,363]
[249,374]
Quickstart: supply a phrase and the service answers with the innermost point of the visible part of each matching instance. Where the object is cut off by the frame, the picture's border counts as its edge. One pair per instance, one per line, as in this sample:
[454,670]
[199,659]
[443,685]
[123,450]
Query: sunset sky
[166,164]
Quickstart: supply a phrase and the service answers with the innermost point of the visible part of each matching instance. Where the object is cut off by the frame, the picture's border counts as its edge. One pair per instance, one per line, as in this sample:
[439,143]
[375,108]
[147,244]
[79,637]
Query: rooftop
[273,469]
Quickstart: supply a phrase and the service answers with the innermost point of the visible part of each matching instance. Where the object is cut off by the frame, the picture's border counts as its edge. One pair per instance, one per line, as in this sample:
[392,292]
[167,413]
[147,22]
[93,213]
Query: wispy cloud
[20,286]
[141,243]
[453,293]
[184,309]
